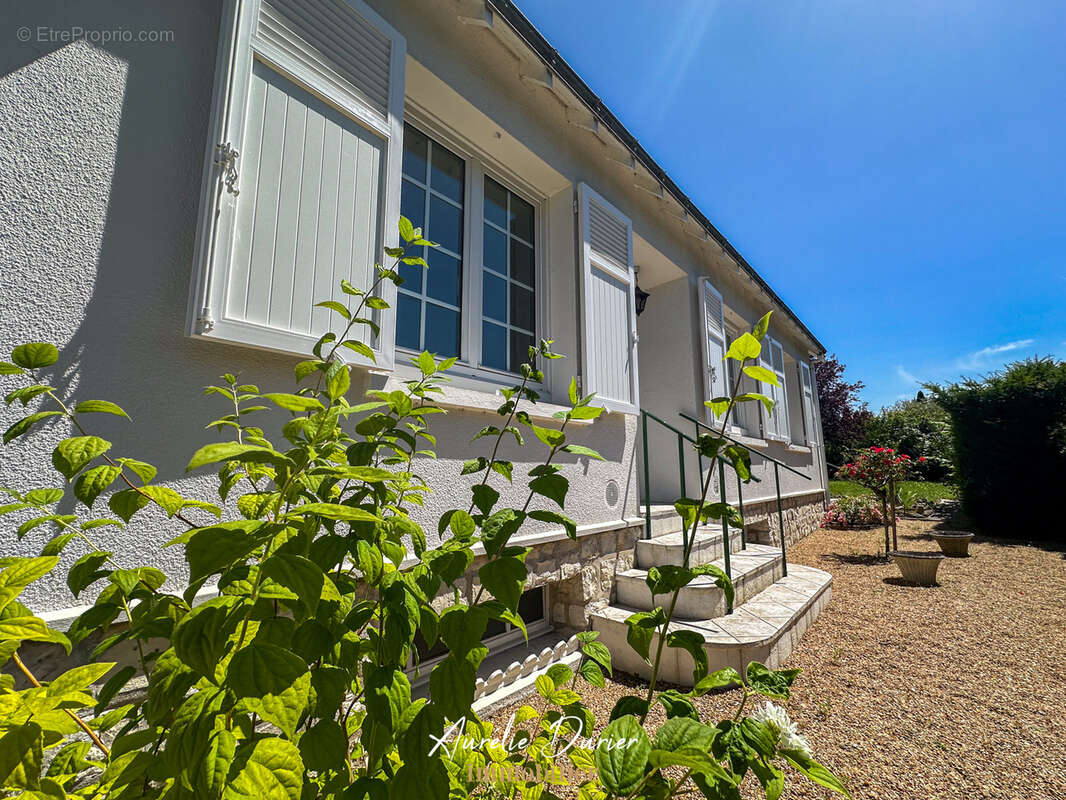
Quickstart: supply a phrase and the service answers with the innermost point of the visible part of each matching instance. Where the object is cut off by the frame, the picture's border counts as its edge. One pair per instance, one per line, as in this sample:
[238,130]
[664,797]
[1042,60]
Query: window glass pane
[494,297]
[493,345]
[445,224]
[521,218]
[446,176]
[522,263]
[522,314]
[408,320]
[413,203]
[495,250]
[412,273]
[414,153]
[495,203]
[531,605]
[442,330]
[444,278]
[520,344]
[494,628]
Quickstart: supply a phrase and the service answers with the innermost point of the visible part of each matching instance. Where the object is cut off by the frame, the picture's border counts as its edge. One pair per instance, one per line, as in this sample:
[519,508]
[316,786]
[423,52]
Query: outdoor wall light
[640,295]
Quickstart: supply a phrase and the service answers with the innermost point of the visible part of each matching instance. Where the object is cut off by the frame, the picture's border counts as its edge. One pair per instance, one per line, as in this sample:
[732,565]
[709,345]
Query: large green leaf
[261,669]
[761,374]
[91,483]
[70,455]
[287,708]
[24,424]
[718,680]
[452,683]
[34,355]
[20,756]
[504,578]
[210,550]
[301,575]
[691,642]
[225,451]
[273,771]
[553,486]
[201,638]
[22,572]
[622,755]
[744,348]
[771,683]
[293,402]
[684,732]
[86,571]
[127,503]
[815,771]
[100,407]
[335,511]
[324,746]
[543,515]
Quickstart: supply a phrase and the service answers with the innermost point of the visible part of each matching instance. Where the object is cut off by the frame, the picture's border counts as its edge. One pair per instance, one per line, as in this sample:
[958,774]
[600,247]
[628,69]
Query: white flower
[788,736]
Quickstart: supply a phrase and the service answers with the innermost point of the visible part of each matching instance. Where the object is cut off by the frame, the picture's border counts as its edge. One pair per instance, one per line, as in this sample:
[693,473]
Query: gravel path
[956,691]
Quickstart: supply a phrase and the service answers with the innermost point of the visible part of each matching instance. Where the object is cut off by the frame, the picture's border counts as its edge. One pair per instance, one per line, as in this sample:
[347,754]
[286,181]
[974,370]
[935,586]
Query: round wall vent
[611,494]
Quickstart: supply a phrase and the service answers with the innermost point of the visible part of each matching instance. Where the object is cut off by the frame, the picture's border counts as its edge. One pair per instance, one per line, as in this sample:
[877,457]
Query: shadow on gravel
[900,582]
[856,559]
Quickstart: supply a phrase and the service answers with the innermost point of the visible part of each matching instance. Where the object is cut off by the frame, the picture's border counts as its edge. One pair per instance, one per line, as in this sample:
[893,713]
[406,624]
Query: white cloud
[983,357]
[906,376]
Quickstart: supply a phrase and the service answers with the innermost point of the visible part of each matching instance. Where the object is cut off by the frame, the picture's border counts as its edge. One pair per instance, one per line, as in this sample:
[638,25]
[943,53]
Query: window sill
[748,440]
[487,397]
[799,448]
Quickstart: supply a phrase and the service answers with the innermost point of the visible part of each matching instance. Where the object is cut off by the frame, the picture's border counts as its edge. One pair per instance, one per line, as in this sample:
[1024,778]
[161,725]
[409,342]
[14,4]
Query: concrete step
[765,628]
[669,548]
[664,519]
[753,570]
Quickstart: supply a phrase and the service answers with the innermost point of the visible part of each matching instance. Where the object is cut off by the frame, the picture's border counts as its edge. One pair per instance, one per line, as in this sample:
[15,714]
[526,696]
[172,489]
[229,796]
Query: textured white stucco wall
[100,154]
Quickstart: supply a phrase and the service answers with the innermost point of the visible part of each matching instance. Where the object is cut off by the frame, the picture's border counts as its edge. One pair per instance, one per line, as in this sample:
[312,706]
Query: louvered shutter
[810,421]
[609,346]
[310,94]
[713,337]
[770,419]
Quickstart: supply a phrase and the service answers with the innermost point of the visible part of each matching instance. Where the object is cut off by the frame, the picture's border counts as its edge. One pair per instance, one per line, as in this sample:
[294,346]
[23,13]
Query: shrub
[292,683]
[853,512]
[920,427]
[1009,431]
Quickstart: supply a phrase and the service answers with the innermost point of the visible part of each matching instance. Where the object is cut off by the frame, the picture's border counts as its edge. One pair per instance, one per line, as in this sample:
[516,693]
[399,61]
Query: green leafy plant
[294,680]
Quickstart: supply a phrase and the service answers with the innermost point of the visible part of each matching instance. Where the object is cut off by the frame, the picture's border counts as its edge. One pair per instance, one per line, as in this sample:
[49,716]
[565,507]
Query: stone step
[764,629]
[670,548]
[753,570]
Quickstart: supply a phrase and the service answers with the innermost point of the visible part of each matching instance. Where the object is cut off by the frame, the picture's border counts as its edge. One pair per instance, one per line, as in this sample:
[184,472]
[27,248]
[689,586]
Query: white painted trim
[238,47]
[588,261]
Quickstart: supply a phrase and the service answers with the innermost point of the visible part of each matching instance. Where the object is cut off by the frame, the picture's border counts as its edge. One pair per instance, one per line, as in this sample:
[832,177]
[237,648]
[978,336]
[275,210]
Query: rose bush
[853,512]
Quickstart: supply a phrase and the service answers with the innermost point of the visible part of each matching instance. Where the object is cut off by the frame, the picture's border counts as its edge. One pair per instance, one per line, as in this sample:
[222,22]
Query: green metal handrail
[683,437]
[777,488]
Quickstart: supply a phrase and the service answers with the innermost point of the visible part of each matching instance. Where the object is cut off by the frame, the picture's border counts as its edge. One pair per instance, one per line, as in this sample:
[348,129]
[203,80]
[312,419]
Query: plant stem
[78,720]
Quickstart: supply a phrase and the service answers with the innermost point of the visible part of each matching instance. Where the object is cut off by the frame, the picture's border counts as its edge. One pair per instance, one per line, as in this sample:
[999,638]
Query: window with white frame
[486,259]
[508,311]
[429,303]
[747,415]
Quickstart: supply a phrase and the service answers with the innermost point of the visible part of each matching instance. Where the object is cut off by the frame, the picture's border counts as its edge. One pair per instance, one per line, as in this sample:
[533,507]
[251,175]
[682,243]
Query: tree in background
[844,416]
[1009,431]
[920,427]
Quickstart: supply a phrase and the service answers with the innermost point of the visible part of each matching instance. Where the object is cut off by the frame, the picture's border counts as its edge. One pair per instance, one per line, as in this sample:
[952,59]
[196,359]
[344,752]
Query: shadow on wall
[102,157]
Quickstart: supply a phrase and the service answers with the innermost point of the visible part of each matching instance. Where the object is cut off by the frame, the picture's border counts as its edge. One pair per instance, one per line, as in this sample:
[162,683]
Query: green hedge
[1010,448]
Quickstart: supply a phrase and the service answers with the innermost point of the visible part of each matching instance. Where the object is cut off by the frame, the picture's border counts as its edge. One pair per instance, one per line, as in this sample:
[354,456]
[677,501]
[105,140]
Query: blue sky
[897,171]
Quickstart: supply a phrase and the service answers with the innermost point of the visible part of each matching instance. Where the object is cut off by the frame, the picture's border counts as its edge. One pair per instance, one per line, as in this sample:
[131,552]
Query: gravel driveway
[955,691]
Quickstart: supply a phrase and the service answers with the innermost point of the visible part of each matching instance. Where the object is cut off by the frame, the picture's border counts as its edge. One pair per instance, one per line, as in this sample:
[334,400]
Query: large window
[429,303]
[486,257]
[508,279]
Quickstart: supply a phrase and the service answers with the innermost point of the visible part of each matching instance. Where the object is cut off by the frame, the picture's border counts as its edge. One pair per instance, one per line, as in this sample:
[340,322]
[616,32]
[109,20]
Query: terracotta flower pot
[953,543]
[917,567]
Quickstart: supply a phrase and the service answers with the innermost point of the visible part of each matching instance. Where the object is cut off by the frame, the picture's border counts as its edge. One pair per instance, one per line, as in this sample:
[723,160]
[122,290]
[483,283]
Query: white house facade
[173,209]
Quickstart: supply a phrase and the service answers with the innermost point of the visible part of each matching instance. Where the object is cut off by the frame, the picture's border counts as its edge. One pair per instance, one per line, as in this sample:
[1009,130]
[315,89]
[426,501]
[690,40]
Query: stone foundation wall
[579,573]
[802,513]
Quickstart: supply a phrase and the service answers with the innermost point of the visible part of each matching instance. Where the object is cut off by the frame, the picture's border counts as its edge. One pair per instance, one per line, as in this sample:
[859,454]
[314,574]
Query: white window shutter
[310,94]
[713,343]
[807,387]
[609,343]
